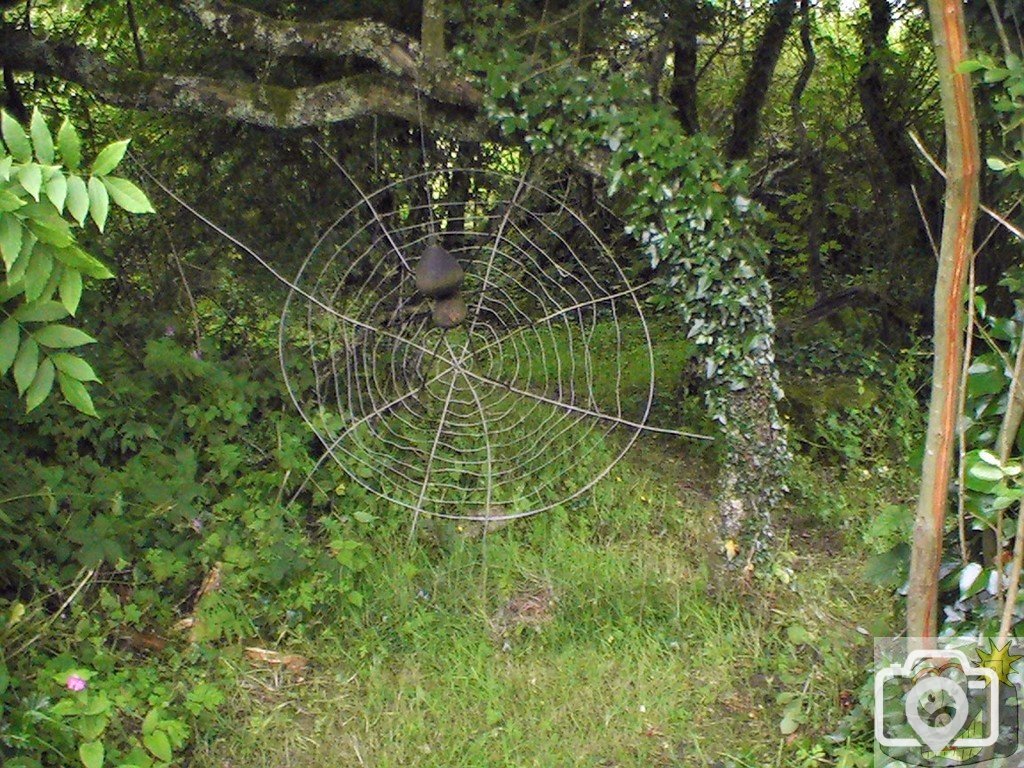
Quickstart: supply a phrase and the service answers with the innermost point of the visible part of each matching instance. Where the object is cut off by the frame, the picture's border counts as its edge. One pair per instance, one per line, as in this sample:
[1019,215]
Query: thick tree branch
[263,105]
[391,50]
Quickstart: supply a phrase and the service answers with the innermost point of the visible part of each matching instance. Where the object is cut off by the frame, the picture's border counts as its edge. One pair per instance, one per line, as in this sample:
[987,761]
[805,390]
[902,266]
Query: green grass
[649,655]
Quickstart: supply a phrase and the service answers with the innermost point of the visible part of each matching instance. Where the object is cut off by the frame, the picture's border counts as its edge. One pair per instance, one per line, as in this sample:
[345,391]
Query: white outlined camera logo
[944,699]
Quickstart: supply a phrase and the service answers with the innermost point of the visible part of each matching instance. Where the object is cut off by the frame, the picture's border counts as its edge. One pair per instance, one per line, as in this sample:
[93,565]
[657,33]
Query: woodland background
[145,547]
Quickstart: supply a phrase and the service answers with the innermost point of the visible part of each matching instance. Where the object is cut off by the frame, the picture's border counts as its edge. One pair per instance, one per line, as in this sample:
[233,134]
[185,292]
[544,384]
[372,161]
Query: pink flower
[76,683]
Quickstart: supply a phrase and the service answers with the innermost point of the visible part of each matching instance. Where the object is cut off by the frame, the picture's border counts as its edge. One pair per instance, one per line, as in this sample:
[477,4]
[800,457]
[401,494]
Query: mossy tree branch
[257,104]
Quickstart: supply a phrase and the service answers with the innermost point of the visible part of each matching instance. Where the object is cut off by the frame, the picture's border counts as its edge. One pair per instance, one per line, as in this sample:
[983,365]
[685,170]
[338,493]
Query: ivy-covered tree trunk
[752,478]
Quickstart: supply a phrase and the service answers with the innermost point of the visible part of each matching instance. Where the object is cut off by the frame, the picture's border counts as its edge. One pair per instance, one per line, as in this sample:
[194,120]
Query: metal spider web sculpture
[473,414]
[473,419]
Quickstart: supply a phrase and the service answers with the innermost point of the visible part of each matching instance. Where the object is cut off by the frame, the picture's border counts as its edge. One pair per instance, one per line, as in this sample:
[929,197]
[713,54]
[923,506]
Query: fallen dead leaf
[290,661]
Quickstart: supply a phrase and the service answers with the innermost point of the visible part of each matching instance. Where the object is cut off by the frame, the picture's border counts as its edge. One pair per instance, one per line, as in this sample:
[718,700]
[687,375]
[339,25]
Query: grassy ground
[601,637]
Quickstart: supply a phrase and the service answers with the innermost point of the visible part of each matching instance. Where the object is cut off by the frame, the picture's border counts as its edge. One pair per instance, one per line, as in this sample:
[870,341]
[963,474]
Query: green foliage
[44,265]
[992,490]
[691,215]
[189,474]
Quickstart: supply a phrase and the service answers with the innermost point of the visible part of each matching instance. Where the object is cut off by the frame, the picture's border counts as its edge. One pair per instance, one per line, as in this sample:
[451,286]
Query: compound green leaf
[87,264]
[99,202]
[26,364]
[128,196]
[9,335]
[41,138]
[78,199]
[40,386]
[59,336]
[40,312]
[37,275]
[108,159]
[71,289]
[70,145]
[31,179]
[57,190]
[76,394]
[15,138]
[10,239]
[74,366]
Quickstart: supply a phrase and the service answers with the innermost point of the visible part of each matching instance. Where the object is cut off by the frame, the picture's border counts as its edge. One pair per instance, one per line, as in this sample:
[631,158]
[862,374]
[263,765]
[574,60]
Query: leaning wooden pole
[955,254]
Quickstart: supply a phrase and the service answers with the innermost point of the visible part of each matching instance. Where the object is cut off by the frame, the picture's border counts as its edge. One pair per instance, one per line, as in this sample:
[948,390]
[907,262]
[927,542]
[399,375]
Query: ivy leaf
[60,336]
[128,196]
[9,333]
[41,138]
[91,753]
[78,199]
[70,145]
[10,240]
[158,743]
[26,364]
[76,394]
[71,289]
[74,366]
[40,386]
[15,138]
[31,179]
[99,202]
[57,190]
[108,159]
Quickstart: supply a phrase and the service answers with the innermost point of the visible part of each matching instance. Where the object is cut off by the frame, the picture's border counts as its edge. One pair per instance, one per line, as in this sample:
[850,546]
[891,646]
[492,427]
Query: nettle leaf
[99,202]
[26,364]
[91,753]
[78,199]
[62,337]
[76,258]
[15,138]
[76,394]
[31,179]
[57,190]
[40,386]
[126,195]
[70,145]
[10,239]
[74,366]
[71,289]
[41,138]
[9,335]
[158,743]
[109,158]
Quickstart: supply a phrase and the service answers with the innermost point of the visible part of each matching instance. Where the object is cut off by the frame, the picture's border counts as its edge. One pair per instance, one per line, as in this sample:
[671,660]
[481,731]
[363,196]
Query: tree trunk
[747,113]
[683,93]
[956,252]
